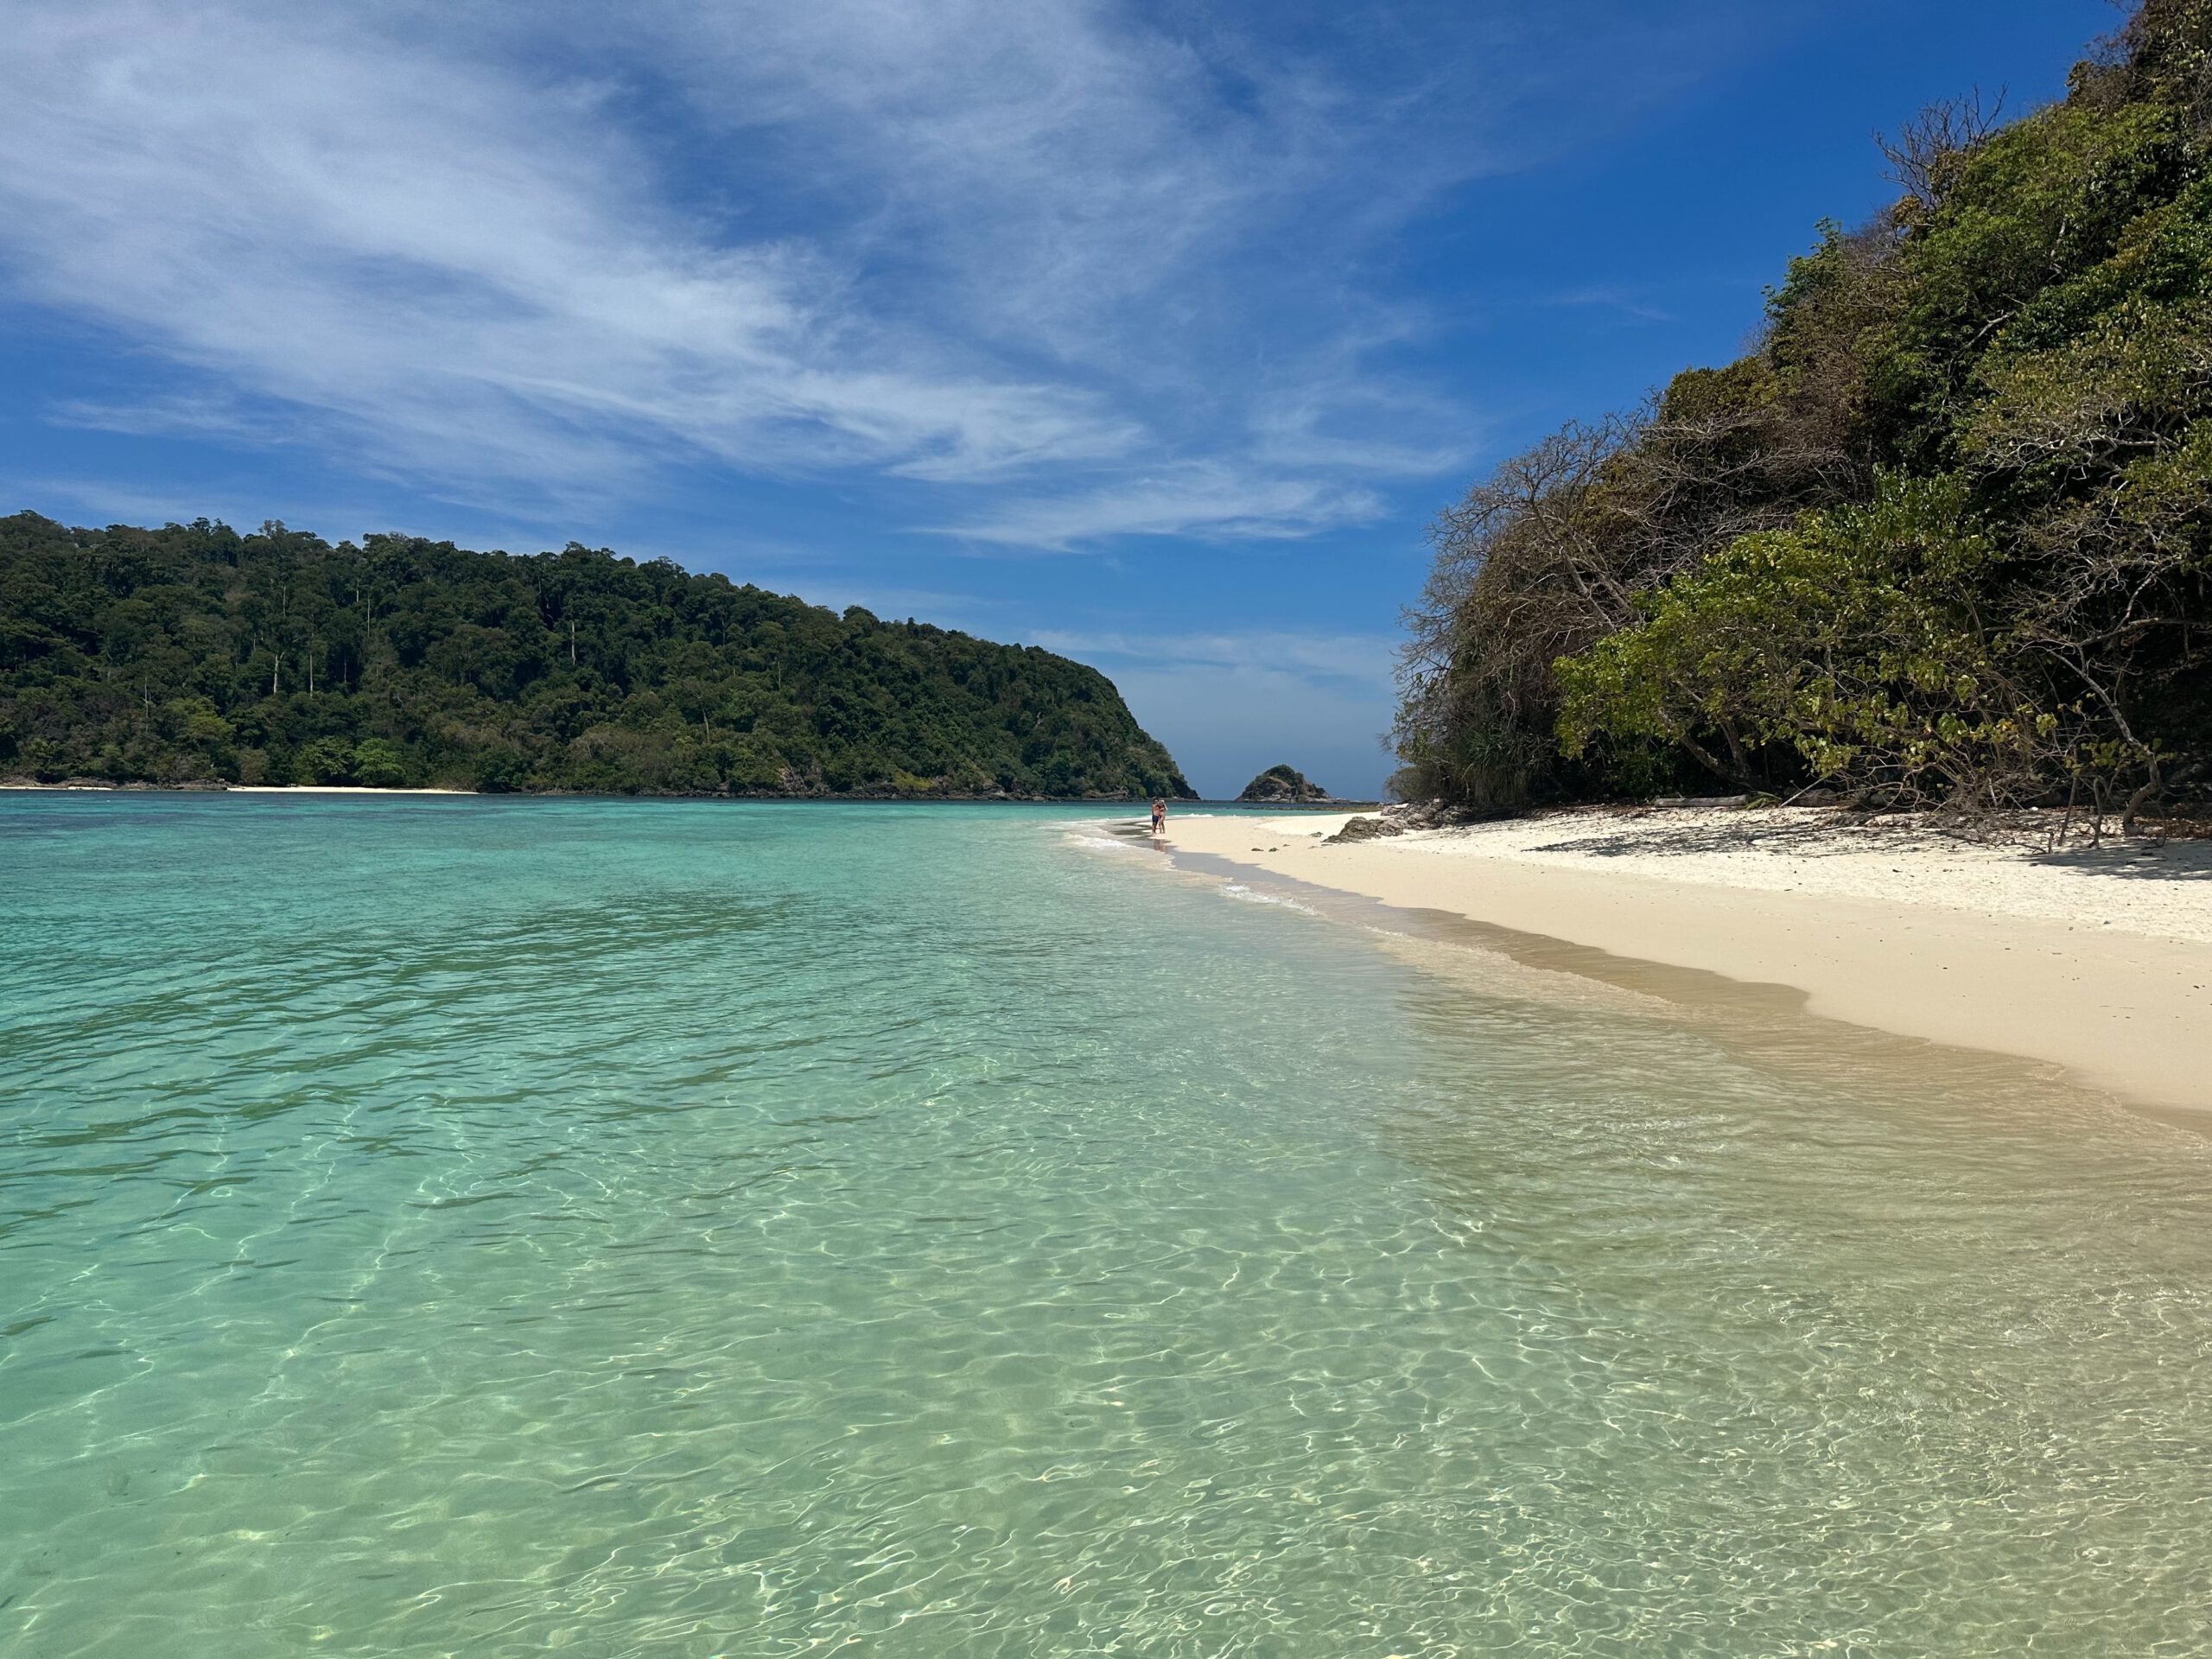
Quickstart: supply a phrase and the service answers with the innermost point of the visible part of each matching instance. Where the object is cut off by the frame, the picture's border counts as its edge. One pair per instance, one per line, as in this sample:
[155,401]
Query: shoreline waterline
[2118,1011]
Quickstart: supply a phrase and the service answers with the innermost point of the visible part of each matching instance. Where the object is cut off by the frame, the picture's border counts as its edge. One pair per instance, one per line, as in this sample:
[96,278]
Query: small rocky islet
[1284,786]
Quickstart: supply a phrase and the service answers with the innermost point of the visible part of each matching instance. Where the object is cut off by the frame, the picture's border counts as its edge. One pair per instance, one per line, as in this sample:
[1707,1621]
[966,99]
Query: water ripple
[658,1229]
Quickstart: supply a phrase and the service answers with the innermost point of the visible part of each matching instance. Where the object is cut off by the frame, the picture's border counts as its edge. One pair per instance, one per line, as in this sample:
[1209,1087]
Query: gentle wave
[1244,894]
[1103,843]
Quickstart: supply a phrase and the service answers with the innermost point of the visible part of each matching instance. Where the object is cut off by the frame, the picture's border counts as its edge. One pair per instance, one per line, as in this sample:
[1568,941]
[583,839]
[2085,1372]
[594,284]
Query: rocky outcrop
[1284,786]
[1372,828]
[1401,819]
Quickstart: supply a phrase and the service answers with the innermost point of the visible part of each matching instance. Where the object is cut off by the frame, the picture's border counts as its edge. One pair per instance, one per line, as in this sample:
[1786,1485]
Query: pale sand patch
[2098,962]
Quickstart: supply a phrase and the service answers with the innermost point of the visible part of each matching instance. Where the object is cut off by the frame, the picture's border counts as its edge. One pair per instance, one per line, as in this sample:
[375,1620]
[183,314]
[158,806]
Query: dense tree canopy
[195,653]
[1945,537]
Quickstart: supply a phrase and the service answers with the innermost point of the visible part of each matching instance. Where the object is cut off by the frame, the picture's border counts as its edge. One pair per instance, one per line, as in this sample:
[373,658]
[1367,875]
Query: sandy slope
[2097,961]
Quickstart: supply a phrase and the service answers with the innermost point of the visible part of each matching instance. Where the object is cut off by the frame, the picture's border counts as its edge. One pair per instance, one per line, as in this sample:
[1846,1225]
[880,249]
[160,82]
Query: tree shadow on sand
[2170,860]
[1627,837]
[1633,833]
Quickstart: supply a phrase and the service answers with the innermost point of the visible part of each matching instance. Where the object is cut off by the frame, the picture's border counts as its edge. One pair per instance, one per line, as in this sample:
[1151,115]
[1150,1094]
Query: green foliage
[1852,638]
[2040,204]
[193,652]
[1945,535]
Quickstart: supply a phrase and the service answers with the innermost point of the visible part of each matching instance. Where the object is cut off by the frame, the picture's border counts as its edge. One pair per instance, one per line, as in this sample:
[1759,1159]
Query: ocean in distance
[496,1226]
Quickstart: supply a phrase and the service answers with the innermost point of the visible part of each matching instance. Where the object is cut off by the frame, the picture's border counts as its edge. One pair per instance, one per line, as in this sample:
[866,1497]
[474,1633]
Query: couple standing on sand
[1160,817]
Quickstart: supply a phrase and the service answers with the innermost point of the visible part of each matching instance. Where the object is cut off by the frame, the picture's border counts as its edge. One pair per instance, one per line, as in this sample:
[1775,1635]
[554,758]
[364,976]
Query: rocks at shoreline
[79,785]
[1372,828]
[1401,818]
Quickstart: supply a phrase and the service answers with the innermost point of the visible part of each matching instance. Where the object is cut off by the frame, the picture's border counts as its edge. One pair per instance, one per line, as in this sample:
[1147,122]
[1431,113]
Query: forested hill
[195,653]
[1943,537]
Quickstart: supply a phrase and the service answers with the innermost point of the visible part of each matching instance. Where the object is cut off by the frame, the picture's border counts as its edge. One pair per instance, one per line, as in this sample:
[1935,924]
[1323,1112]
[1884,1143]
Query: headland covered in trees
[193,653]
[1943,539]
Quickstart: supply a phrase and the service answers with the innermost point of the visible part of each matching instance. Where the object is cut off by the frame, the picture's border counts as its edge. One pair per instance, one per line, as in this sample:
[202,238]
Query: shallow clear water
[491,1226]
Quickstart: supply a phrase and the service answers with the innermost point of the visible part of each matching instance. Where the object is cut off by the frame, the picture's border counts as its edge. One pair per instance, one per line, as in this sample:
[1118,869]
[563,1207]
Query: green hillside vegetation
[1942,538]
[195,653]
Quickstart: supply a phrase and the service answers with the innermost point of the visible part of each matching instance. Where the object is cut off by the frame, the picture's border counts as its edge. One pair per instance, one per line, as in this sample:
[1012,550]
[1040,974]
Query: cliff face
[1286,785]
[193,653]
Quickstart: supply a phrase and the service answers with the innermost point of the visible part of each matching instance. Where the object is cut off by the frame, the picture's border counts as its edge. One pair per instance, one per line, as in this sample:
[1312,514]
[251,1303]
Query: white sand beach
[2097,960]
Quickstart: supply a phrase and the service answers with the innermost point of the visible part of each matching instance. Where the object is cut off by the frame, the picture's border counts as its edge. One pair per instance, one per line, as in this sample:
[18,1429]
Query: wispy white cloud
[463,269]
[1204,500]
[212,412]
[1031,167]
[1364,659]
[1075,271]
[1626,301]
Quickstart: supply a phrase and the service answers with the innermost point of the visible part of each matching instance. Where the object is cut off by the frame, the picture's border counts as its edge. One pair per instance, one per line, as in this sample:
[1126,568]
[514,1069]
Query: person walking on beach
[1159,818]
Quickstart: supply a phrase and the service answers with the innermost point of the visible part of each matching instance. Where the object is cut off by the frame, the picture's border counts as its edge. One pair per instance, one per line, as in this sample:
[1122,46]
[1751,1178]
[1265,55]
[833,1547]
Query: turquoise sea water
[491,1227]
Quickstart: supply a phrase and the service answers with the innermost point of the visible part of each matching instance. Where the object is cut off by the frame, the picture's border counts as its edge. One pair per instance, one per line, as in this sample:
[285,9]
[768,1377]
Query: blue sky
[1152,332]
